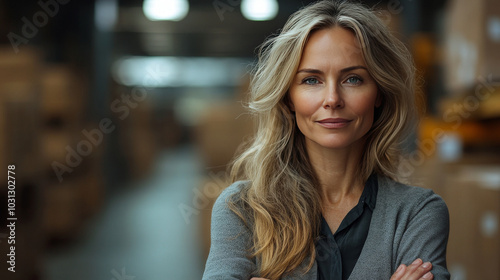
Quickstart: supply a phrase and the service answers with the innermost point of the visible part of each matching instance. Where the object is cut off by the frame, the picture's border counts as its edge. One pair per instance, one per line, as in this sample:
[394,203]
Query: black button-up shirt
[336,254]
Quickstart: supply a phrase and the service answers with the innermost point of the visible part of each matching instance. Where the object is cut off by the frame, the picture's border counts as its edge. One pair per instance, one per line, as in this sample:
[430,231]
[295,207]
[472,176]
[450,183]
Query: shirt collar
[369,195]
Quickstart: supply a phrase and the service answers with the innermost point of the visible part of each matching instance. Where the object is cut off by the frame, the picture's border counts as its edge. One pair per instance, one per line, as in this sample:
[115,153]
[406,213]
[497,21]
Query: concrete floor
[141,234]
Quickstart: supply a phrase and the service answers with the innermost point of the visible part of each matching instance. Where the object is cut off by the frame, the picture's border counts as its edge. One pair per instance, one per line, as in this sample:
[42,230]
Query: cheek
[364,106]
[366,109]
[304,104]
[303,109]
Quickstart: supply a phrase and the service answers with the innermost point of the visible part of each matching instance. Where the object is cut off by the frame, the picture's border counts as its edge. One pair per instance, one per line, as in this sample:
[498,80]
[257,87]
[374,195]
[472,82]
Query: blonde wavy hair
[281,204]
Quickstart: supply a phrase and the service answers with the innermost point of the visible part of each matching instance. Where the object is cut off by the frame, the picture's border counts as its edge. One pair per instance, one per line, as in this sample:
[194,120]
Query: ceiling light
[259,10]
[174,10]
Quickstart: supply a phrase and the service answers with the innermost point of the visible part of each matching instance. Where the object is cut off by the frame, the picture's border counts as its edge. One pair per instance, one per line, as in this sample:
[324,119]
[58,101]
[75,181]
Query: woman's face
[332,94]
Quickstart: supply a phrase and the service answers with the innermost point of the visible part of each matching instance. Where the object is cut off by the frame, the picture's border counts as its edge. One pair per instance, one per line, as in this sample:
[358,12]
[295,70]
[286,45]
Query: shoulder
[397,192]
[234,188]
[232,195]
[401,197]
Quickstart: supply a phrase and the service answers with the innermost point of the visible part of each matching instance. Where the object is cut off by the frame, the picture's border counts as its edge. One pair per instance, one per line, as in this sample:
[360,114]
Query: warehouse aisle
[141,234]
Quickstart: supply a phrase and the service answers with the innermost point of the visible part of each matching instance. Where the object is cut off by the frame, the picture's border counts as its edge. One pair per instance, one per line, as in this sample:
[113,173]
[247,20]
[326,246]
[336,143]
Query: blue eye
[310,81]
[354,80]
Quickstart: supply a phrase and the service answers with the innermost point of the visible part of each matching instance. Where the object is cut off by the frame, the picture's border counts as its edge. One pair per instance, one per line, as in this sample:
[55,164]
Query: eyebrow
[316,71]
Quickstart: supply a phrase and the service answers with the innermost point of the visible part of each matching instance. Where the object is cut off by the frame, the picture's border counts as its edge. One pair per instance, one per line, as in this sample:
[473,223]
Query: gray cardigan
[407,223]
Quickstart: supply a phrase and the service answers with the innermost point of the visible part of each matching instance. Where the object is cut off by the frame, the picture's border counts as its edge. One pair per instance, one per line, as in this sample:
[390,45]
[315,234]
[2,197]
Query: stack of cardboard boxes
[462,143]
[133,114]
[471,44]
[71,153]
[58,180]
[19,131]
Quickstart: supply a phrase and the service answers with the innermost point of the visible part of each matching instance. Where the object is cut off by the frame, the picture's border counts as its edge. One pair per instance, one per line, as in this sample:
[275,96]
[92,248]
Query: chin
[337,143]
[334,144]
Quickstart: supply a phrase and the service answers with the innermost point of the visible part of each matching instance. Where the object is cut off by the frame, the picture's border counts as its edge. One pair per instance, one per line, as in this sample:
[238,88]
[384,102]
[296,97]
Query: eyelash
[305,81]
[355,77]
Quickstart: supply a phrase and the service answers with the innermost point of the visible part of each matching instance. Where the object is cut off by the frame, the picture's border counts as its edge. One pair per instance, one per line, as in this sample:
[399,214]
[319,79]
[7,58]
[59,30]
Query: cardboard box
[61,94]
[62,210]
[168,130]
[221,131]
[137,140]
[19,127]
[22,67]
[56,145]
[92,192]
[472,41]
[141,152]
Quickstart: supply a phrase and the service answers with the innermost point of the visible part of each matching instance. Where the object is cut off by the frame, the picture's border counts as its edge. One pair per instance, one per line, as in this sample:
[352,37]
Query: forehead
[335,46]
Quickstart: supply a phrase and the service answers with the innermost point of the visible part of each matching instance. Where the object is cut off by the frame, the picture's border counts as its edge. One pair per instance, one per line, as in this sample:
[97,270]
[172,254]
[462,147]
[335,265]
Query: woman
[316,198]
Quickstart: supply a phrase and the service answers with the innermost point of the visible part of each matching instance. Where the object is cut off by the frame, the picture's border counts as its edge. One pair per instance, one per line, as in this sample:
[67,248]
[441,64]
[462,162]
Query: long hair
[281,198]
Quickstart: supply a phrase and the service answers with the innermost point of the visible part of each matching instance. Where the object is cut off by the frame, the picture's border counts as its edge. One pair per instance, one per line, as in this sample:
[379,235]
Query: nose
[333,99]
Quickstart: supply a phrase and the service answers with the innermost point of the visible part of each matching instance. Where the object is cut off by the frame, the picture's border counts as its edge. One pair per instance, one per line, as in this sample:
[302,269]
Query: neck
[337,171]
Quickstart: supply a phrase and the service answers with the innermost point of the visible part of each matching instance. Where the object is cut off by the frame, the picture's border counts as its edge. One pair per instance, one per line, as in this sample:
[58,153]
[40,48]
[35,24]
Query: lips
[334,122]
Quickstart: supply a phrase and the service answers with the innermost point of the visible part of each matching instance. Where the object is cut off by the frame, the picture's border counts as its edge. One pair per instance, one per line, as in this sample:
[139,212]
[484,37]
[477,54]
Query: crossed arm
[231,239]
[416,271]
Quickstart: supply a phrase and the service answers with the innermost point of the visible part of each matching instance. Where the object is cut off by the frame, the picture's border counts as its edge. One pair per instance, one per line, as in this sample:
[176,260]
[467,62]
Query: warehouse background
[121,116]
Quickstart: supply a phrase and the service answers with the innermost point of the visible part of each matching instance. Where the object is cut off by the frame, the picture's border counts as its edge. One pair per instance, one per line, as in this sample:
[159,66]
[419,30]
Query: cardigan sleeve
[230,243]
[426,235]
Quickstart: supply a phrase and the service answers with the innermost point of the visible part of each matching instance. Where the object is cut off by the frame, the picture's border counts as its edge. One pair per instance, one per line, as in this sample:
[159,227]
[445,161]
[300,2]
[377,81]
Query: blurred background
[120,117]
